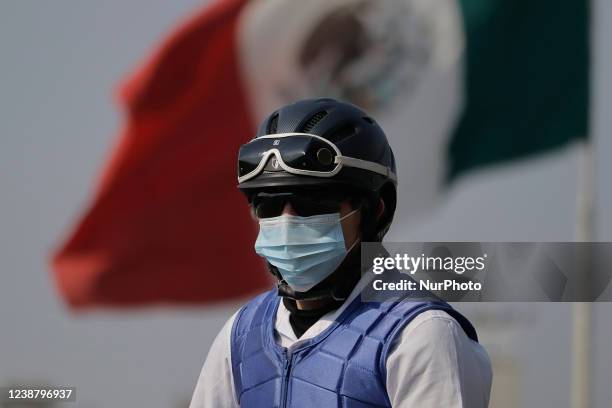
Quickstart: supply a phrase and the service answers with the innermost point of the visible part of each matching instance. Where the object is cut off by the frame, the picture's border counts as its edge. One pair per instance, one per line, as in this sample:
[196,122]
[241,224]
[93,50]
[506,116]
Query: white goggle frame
[339,160]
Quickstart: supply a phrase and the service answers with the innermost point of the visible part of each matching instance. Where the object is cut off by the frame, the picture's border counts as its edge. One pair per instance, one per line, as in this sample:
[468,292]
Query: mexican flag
[456,85]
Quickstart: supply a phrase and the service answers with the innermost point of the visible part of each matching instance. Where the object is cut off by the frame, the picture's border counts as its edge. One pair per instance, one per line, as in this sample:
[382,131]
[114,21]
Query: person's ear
[380,210]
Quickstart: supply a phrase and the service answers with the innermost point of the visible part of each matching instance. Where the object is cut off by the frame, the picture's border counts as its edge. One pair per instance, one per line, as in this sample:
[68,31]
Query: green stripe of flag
[527,80]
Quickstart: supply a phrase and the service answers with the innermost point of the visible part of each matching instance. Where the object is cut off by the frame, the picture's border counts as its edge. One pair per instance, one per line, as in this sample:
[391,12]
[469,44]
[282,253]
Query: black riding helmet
[322,143]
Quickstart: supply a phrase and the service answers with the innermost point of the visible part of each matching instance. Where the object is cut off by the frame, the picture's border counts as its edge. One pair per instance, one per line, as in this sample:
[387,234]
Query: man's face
[305,203]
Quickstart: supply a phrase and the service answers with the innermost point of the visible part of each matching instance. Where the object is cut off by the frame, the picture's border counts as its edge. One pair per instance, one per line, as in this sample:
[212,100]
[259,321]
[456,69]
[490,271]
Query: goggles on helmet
[301,154]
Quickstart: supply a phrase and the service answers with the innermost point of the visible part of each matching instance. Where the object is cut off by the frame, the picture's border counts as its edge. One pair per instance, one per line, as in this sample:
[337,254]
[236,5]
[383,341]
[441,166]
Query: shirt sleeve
[433,363]
[215,387]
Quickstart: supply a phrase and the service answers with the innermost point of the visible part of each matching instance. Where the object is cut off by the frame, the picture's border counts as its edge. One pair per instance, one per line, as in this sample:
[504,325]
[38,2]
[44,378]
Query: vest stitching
[339,393]
[260,383]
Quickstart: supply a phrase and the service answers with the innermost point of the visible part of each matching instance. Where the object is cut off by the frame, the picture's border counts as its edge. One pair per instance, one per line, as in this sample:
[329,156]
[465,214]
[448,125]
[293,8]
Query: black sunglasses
[304,204]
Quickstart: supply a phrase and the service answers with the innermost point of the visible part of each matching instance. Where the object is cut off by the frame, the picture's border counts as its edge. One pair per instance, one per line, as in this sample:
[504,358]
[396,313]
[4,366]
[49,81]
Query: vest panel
[344,366]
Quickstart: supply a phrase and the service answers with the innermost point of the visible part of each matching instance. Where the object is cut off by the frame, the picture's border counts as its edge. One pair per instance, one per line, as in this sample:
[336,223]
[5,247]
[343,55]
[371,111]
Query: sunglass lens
[307,206]
[268,207]
[304,204]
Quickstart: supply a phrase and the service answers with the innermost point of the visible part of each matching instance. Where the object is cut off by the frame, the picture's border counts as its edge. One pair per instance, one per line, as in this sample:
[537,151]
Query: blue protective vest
[344,366]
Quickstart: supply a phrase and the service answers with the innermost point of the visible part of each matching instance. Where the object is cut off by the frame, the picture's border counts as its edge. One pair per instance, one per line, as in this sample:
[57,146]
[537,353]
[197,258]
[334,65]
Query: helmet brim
[283,179]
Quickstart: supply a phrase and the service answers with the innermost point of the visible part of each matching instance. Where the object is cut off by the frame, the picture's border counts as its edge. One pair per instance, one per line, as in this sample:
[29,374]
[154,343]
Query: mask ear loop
[355,242]
[358,238]
[349,214]
[333,293]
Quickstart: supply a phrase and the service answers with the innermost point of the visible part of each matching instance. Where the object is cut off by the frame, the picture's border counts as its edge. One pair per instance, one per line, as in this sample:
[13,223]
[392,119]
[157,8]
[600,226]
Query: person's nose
[288,209]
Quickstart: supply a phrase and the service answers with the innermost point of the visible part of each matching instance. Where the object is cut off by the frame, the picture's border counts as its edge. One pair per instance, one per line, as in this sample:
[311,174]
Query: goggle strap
[365,165]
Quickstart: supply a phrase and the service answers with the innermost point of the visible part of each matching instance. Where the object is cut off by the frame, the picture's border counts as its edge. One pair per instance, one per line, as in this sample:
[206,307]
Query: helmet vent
[273,124]
[341,133]
[312,122]
[369,120]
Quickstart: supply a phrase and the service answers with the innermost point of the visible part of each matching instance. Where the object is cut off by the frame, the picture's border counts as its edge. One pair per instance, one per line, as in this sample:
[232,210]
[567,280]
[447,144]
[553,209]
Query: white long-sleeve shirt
[432,363]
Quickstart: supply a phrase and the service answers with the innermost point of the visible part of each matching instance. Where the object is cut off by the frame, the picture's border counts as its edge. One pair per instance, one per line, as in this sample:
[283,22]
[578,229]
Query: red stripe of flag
[167,223]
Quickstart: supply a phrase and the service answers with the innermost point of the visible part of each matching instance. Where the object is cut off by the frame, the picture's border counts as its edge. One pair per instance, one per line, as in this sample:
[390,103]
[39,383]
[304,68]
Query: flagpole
[581,330]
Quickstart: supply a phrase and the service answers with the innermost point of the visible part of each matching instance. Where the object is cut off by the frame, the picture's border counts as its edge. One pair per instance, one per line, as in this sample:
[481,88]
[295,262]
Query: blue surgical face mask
[305,250]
